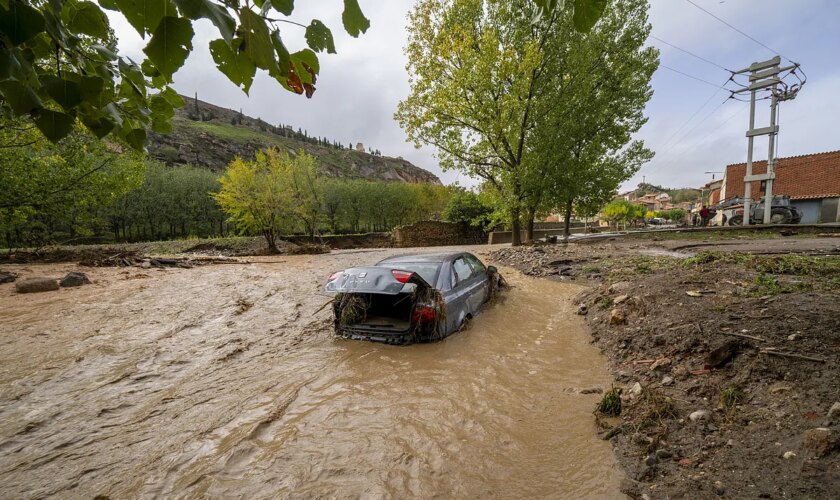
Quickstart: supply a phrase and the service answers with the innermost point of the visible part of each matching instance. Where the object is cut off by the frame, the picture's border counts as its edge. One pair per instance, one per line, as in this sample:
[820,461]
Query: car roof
[422,257]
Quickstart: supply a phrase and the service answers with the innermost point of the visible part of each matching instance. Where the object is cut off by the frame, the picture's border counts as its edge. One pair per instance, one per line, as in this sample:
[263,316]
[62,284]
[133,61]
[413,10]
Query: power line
[692,54]
[703,120]
[695,114]
[695,126]
[736,29]
[728,118]
[691,76]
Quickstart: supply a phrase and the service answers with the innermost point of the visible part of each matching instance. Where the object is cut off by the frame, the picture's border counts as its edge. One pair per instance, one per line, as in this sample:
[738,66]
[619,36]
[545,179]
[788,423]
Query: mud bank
[218,381]
[728,364]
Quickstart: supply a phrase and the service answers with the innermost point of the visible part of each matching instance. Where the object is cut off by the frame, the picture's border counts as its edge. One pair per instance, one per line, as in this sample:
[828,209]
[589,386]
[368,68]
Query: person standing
[704,216]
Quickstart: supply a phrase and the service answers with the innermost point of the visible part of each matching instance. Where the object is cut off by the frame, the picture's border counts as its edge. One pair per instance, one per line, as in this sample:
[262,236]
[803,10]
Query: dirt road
[220,381]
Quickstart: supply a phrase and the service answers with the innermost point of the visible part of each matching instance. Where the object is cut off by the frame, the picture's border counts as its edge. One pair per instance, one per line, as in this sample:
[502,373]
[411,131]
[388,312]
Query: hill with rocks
[210,136]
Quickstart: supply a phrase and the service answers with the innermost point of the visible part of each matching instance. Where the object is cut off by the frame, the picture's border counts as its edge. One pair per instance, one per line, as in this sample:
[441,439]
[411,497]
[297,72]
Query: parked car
[411,298]
[781,211]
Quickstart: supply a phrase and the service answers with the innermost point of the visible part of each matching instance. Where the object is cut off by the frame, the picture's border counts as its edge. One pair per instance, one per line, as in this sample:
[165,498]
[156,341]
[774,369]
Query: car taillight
[335,276]
[401,276]
[424,314]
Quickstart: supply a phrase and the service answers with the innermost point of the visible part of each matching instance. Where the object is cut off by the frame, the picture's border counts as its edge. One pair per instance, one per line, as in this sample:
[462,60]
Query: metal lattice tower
[762,76]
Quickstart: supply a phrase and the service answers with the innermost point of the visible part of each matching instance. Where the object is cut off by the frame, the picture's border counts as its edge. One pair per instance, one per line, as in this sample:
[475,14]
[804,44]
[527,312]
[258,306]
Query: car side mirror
[492,270]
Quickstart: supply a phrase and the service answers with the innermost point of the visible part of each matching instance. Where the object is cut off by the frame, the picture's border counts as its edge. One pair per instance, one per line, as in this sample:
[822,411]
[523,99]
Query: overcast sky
[359,88]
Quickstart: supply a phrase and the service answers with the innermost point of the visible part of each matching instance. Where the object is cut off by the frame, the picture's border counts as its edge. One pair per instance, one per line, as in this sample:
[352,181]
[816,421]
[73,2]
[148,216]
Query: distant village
[811,183]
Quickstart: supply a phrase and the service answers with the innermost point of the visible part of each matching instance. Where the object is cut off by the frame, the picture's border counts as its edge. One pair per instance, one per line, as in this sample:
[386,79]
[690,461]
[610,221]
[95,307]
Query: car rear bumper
[387,336]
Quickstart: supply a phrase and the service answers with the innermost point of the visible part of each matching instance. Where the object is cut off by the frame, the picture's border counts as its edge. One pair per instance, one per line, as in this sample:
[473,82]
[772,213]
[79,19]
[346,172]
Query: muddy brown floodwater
[219,381]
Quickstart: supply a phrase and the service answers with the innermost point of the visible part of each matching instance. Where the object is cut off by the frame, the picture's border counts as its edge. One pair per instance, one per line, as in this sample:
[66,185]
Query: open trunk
[383,305]
[384,318]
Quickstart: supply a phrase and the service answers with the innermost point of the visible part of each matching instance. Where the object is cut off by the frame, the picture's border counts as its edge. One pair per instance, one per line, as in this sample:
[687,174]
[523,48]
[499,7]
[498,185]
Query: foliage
[623,211]
[258,195]
[172,202]
[59,61]
[466,207]
[475,71]
[600,83]
[55,191]
[307,192]
[495,92]
[674,214]
[610,403]
[585,12]
[679,195]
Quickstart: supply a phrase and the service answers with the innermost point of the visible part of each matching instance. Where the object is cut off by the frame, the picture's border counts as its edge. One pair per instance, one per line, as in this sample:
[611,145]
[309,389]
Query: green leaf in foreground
[53,124]
[284,6]
[587,13]
[170,45]
[20,22]
[319,37]
[354,21]
[145,15]
[86,18]
[66,93]
[257,43]
[239,70]
[20,97]
[216,13]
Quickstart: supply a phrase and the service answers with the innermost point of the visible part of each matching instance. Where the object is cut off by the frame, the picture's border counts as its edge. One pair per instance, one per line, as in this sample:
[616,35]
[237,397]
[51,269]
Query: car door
[480,273]
[473,285]
[461,301]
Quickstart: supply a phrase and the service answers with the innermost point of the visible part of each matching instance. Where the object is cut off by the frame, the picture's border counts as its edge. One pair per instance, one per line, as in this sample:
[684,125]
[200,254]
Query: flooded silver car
[411,298]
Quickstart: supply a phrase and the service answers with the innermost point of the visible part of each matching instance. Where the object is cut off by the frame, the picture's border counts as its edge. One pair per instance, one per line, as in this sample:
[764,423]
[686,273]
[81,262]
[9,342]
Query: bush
[610,404]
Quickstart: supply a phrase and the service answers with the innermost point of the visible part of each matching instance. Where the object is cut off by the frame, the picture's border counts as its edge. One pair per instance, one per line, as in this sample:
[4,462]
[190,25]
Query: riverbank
[727,361]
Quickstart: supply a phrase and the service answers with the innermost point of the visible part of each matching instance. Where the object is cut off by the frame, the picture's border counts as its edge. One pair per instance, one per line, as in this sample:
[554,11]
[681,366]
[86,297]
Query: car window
[478,267]
[463,271]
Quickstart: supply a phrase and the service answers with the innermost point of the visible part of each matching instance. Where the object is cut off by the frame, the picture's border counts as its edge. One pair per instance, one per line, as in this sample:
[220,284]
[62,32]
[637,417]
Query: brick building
[812,182]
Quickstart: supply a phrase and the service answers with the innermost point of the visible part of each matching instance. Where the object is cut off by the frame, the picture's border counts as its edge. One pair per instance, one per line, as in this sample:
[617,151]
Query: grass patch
[729,399]
[590,269]
[643,268]
[765,285]
[230,132]
[604,302]
[610,403]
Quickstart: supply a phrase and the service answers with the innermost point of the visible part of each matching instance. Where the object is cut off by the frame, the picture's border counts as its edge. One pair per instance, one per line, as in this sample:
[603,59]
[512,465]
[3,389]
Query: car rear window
[427,270]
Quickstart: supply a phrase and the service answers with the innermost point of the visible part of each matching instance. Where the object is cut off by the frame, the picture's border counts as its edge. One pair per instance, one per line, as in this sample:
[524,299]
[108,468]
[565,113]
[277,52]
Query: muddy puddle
[219,381]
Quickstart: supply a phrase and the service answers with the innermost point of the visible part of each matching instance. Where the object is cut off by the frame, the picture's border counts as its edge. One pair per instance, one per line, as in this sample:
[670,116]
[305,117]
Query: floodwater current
[224,381]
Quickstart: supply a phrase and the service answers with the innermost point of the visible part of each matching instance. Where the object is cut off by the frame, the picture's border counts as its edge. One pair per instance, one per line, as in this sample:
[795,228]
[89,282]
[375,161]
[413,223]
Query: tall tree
[600,85]
[258,195]
[476,72]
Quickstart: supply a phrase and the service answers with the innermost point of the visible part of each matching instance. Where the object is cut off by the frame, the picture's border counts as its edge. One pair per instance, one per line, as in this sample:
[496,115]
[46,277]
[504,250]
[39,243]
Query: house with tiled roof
[811,181]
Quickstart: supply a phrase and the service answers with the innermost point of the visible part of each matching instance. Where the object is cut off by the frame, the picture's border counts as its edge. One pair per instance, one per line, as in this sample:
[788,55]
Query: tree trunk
[567,222]
[271,241]
[529,225]
[515,227]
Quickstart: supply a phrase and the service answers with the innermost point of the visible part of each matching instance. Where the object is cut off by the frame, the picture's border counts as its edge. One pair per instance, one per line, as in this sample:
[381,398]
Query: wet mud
[219,381]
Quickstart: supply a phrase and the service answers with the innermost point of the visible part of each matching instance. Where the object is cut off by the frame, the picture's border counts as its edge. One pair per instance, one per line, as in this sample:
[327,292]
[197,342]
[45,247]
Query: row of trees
[279,193]
[82,189]
[624,212]
[58,190]
[515,95]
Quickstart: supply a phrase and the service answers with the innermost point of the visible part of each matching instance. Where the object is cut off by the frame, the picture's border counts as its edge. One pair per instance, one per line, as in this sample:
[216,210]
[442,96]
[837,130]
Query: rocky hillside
[211,136]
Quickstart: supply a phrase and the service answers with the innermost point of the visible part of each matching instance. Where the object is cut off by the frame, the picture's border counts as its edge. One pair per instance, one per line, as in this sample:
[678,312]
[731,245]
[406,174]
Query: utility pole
[762,75]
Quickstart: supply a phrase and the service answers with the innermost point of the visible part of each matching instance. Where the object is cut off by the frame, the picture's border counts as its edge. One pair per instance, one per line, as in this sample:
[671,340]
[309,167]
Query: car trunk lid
[381,280]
